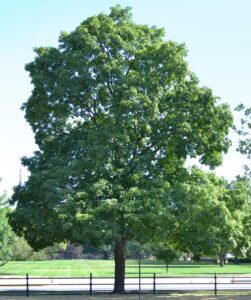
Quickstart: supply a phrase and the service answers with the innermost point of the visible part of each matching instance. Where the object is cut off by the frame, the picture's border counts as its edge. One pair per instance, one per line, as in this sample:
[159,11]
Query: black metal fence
[88,285]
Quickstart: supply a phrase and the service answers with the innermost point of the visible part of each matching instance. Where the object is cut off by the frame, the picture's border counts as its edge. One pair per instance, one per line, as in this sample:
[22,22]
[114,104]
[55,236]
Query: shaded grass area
[83,268]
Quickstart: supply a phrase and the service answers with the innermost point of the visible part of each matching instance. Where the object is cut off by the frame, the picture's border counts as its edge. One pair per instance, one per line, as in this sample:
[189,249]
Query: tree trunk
[120,257]
[222,259]
[167,265]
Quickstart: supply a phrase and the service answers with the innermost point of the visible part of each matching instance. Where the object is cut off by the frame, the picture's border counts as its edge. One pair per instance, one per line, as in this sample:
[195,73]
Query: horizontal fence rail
[75,285]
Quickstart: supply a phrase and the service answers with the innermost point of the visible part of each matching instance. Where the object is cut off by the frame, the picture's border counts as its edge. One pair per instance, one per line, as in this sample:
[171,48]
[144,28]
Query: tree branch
[109,88]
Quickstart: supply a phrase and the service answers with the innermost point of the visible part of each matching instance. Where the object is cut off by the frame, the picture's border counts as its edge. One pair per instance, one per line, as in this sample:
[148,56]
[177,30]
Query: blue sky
[217,34]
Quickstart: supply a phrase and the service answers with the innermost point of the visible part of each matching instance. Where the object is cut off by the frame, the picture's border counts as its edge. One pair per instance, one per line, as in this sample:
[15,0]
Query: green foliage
[6,233]
[244,132]
[22,251]
[115,112]
[39,255]
[134,248]
[53,251]
[212,216]
[165,252]
[13,247]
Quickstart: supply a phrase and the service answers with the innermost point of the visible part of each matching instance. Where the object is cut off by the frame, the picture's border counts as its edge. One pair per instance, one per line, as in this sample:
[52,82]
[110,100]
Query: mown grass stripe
[75,268]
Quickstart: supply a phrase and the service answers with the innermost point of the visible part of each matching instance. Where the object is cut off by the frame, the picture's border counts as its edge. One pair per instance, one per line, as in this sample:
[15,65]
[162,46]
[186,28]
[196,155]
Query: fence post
[27,286]
[154,283]
[215,284]
[90,284]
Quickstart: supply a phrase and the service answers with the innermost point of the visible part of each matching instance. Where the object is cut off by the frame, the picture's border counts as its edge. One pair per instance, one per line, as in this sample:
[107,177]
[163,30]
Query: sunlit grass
[83,268]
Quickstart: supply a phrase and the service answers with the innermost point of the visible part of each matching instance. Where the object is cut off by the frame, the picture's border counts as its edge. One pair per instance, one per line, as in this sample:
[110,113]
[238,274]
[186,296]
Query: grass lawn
[78,268]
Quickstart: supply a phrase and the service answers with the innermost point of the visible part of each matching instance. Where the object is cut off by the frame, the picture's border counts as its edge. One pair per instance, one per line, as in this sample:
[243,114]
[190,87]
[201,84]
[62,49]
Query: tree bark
[120,257]
[222,259]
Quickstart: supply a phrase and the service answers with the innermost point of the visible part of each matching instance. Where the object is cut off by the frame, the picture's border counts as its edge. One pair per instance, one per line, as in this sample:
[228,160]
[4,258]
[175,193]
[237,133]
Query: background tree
[6,233]
[73,251]
[165,252]
[106,251]
[21,249]
[55,251]
[133,248]
[212,216]
[115,112]
[239,203]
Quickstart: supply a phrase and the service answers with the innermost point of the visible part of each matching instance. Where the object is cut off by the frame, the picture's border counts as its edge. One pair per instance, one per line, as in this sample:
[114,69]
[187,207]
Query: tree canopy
[115,112]
[211,215]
